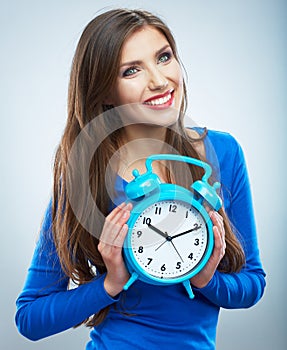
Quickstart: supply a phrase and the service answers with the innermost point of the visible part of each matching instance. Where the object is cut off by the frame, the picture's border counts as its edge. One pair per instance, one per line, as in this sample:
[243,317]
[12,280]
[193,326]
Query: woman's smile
[161,101]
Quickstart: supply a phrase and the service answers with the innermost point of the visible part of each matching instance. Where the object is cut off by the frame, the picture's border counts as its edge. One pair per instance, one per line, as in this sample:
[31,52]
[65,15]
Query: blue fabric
[160,317]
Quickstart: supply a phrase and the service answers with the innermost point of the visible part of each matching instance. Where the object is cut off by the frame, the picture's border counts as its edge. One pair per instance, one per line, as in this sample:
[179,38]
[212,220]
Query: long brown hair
[93,75]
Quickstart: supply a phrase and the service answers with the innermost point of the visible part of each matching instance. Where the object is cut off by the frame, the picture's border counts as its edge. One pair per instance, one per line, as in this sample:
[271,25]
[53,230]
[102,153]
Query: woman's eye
[130,71]
[164,57]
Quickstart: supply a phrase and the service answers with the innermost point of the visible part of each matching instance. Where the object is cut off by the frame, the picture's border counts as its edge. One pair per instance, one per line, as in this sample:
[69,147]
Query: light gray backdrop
[235,56]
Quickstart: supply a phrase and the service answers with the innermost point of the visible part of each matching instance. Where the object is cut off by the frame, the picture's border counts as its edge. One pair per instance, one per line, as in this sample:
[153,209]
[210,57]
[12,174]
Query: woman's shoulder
[221,136]
[219,139]
[214,135]
[222,142]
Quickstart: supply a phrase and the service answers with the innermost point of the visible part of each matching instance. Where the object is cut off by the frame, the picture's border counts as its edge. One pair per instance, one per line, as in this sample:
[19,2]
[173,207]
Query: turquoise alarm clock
[170,236]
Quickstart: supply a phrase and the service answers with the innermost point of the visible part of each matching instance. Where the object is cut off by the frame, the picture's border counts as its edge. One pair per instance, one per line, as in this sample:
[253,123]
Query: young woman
[126,64]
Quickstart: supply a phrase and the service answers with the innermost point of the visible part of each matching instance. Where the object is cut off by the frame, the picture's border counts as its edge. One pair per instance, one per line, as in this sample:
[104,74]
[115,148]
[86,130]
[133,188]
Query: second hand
[176,250]
[167,237]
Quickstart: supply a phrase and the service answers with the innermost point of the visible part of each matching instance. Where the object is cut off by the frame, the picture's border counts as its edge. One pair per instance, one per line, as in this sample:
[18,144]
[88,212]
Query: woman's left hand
[205,275]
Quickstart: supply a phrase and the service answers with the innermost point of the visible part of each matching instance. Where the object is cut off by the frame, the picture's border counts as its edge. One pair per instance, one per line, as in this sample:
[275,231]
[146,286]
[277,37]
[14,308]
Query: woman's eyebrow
[138,62]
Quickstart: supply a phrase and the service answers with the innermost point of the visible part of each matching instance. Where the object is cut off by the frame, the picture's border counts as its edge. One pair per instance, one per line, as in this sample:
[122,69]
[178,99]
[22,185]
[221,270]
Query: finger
[207,208]
[219,244]
[109,228]
[121,227]
[120,212]
[124,214]
[120,218]
[217,220]
[215,217]
[221,230]
[110,231]
[114,212]
[114,223]
[119,240]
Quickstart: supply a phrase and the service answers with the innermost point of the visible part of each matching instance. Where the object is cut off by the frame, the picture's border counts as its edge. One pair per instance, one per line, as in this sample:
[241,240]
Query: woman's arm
[45,305]
[243,289]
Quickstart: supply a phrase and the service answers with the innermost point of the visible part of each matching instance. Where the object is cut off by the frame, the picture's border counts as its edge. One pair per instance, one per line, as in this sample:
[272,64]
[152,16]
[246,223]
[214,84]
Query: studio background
[234,53]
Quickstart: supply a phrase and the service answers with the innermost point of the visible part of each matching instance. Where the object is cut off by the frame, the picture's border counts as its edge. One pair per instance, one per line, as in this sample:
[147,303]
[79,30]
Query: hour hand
[155,229]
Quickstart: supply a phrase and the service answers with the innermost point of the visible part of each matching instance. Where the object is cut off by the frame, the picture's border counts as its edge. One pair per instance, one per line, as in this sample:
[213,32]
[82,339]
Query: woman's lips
[161,101]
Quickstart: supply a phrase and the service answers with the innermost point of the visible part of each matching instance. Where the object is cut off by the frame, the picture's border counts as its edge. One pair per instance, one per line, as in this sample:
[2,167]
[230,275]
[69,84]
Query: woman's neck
[142,131]
[139,142]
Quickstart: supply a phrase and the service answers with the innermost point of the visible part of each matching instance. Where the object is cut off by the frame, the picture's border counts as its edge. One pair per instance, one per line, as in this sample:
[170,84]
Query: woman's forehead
[144,40]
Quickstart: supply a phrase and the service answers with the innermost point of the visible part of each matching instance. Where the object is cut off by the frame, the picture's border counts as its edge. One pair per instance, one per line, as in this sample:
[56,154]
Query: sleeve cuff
[209,287]
[107,299]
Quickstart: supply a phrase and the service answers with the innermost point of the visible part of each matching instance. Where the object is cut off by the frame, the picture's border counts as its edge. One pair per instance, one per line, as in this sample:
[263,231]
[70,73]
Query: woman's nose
[157,80]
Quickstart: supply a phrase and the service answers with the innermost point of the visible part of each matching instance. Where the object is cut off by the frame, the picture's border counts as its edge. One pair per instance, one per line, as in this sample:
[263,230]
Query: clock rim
[167,192]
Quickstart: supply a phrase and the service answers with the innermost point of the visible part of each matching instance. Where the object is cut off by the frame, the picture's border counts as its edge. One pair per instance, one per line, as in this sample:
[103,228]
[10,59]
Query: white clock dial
[169,239]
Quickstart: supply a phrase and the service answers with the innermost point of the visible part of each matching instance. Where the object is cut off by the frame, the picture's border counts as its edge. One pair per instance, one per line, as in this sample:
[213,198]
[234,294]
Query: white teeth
[159,101]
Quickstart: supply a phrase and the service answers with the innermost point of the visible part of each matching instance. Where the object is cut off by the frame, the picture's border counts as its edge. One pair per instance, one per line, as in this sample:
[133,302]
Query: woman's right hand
[110,247]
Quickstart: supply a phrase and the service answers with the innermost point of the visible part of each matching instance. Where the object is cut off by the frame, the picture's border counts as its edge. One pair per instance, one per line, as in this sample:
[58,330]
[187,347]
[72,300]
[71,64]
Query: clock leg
[188,288]
[132,279]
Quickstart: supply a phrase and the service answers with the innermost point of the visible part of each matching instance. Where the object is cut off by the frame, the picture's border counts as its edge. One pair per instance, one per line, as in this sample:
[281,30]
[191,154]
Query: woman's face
[150,76]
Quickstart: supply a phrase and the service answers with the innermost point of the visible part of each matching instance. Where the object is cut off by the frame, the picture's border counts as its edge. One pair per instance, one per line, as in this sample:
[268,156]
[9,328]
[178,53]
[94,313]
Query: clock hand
[196,227]
[164,234]
[160,245]
[169,239]
[176,250]
[155,229]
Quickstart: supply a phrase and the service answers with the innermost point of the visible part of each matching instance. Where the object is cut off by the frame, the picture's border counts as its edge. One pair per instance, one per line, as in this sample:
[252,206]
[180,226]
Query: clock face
[169,239]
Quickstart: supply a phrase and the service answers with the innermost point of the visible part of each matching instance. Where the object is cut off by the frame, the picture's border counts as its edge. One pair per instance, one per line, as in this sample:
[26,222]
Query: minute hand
[185,232]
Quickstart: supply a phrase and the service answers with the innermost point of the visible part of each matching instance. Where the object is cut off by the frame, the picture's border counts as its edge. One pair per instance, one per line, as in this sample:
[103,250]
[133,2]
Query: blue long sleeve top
[161,317]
